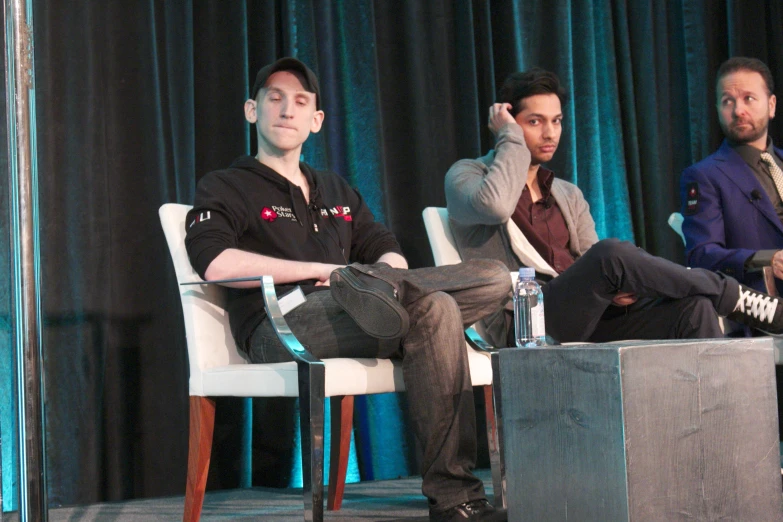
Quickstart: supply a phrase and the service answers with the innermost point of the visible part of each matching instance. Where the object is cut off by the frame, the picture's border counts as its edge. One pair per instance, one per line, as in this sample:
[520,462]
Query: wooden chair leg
[342,425]
[495,452]
[202,427]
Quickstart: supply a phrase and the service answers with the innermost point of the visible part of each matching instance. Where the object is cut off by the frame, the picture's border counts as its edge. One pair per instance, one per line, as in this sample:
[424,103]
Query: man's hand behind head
[499,116]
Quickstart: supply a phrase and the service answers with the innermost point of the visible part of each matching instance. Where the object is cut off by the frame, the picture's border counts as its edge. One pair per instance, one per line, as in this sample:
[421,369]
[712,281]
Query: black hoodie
[251,207]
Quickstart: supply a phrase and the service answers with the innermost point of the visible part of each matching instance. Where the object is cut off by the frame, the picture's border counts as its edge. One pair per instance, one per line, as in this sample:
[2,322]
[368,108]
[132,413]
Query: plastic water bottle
[529,326]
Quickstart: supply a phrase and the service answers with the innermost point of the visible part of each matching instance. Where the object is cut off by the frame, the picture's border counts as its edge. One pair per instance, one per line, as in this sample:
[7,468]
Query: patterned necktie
[777,174]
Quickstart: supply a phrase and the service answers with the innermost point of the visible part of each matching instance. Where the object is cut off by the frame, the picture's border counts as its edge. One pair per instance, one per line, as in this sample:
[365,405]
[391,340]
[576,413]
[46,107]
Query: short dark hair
[743,63]
[521,85]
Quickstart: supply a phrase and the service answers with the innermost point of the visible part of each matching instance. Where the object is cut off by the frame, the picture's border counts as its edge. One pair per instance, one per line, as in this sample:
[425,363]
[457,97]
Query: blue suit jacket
[729,221]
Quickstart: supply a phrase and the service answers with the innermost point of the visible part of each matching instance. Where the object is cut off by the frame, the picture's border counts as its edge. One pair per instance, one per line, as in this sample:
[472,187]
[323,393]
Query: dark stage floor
[386,500]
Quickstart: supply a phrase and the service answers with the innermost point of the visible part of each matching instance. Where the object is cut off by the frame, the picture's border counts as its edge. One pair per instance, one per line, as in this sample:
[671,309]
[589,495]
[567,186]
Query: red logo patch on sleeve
[691,198]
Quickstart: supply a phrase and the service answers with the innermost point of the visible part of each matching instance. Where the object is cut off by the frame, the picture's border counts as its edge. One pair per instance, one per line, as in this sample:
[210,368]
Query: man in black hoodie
[275,215]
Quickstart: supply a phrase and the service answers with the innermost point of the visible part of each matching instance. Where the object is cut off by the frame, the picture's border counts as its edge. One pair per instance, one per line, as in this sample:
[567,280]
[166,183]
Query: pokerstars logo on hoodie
[270,214]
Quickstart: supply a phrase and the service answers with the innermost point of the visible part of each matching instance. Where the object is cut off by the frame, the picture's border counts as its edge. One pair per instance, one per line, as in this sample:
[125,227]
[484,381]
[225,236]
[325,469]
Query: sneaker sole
[375,312]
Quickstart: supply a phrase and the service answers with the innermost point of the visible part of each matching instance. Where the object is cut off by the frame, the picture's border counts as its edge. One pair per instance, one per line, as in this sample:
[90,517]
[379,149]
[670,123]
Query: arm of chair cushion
[762,260]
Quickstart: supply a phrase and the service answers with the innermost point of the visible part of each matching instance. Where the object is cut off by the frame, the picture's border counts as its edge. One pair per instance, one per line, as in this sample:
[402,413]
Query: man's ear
[250,111]
[772,103]
[318,121]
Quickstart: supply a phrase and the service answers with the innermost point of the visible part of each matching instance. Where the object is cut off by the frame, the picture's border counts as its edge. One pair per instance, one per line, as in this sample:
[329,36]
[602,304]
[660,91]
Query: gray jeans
[440,301]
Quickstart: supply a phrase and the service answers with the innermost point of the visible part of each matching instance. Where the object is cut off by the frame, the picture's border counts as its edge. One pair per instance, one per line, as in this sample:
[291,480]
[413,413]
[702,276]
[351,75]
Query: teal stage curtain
[138,100]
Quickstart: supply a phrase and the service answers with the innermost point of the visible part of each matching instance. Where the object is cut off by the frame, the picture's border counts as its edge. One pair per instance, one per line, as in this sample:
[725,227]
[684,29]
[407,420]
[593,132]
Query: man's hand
[777,264]
[324,271]
[393,260]
[624,299]
[499,116]
[390,258]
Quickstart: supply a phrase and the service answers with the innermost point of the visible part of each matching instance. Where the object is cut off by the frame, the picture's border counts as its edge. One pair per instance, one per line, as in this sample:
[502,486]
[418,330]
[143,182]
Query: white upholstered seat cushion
[343,377]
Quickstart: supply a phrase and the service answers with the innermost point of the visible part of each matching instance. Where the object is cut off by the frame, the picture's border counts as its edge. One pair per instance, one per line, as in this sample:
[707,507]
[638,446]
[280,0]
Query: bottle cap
[527,272]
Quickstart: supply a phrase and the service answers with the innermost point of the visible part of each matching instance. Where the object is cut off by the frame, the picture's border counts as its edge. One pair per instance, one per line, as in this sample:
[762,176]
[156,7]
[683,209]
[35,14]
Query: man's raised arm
[477,194]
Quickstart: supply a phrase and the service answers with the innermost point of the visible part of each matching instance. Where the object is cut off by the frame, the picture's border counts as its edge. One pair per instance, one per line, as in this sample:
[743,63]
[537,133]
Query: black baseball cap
[288,64]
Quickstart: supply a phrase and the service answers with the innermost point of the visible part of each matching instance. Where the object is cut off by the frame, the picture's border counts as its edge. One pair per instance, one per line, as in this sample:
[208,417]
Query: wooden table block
[641,431]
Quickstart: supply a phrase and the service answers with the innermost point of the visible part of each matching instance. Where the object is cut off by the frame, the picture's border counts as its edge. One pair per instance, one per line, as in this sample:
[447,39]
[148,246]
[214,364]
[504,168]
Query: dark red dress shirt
[543,223]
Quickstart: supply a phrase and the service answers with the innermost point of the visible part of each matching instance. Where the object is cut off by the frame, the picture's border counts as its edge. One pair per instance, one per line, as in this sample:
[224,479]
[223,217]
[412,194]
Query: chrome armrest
[476,341]
[283,331]
[275,314]
[312,384]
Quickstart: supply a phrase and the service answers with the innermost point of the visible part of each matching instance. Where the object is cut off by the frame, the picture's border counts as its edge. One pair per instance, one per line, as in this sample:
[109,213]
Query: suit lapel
[731,165]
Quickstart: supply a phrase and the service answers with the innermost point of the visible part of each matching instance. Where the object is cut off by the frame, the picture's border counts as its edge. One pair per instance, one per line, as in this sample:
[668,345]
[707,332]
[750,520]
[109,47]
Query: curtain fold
[138,100]
[116,135]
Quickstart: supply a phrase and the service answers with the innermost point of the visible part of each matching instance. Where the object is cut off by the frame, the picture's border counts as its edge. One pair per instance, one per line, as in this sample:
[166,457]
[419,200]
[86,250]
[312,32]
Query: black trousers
[674,302]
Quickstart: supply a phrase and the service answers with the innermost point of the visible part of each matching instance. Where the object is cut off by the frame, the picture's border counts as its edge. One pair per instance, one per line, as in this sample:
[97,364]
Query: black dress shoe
[474,510]
[370,301]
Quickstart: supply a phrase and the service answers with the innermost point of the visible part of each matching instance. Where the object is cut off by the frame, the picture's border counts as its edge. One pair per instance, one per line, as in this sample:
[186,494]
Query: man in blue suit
[732,201]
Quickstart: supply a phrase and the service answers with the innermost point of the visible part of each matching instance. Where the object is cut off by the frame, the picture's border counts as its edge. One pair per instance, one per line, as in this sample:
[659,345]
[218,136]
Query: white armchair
[217,369]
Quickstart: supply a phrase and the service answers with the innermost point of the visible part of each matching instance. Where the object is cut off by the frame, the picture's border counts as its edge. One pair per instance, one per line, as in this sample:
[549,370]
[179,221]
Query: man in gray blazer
[508,206]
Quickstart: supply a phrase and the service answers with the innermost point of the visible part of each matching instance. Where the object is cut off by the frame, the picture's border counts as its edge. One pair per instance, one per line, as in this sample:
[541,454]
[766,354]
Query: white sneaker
[758,310]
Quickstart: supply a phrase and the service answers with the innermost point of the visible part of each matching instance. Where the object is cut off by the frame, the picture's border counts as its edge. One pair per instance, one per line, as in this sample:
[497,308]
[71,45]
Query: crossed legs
[674,302]
[440,303]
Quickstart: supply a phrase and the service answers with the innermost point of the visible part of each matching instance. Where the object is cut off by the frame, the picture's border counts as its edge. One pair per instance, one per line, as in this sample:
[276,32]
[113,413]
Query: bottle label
[537,319]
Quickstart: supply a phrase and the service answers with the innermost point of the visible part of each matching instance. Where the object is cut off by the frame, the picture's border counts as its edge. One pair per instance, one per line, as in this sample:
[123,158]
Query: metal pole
[25,257]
